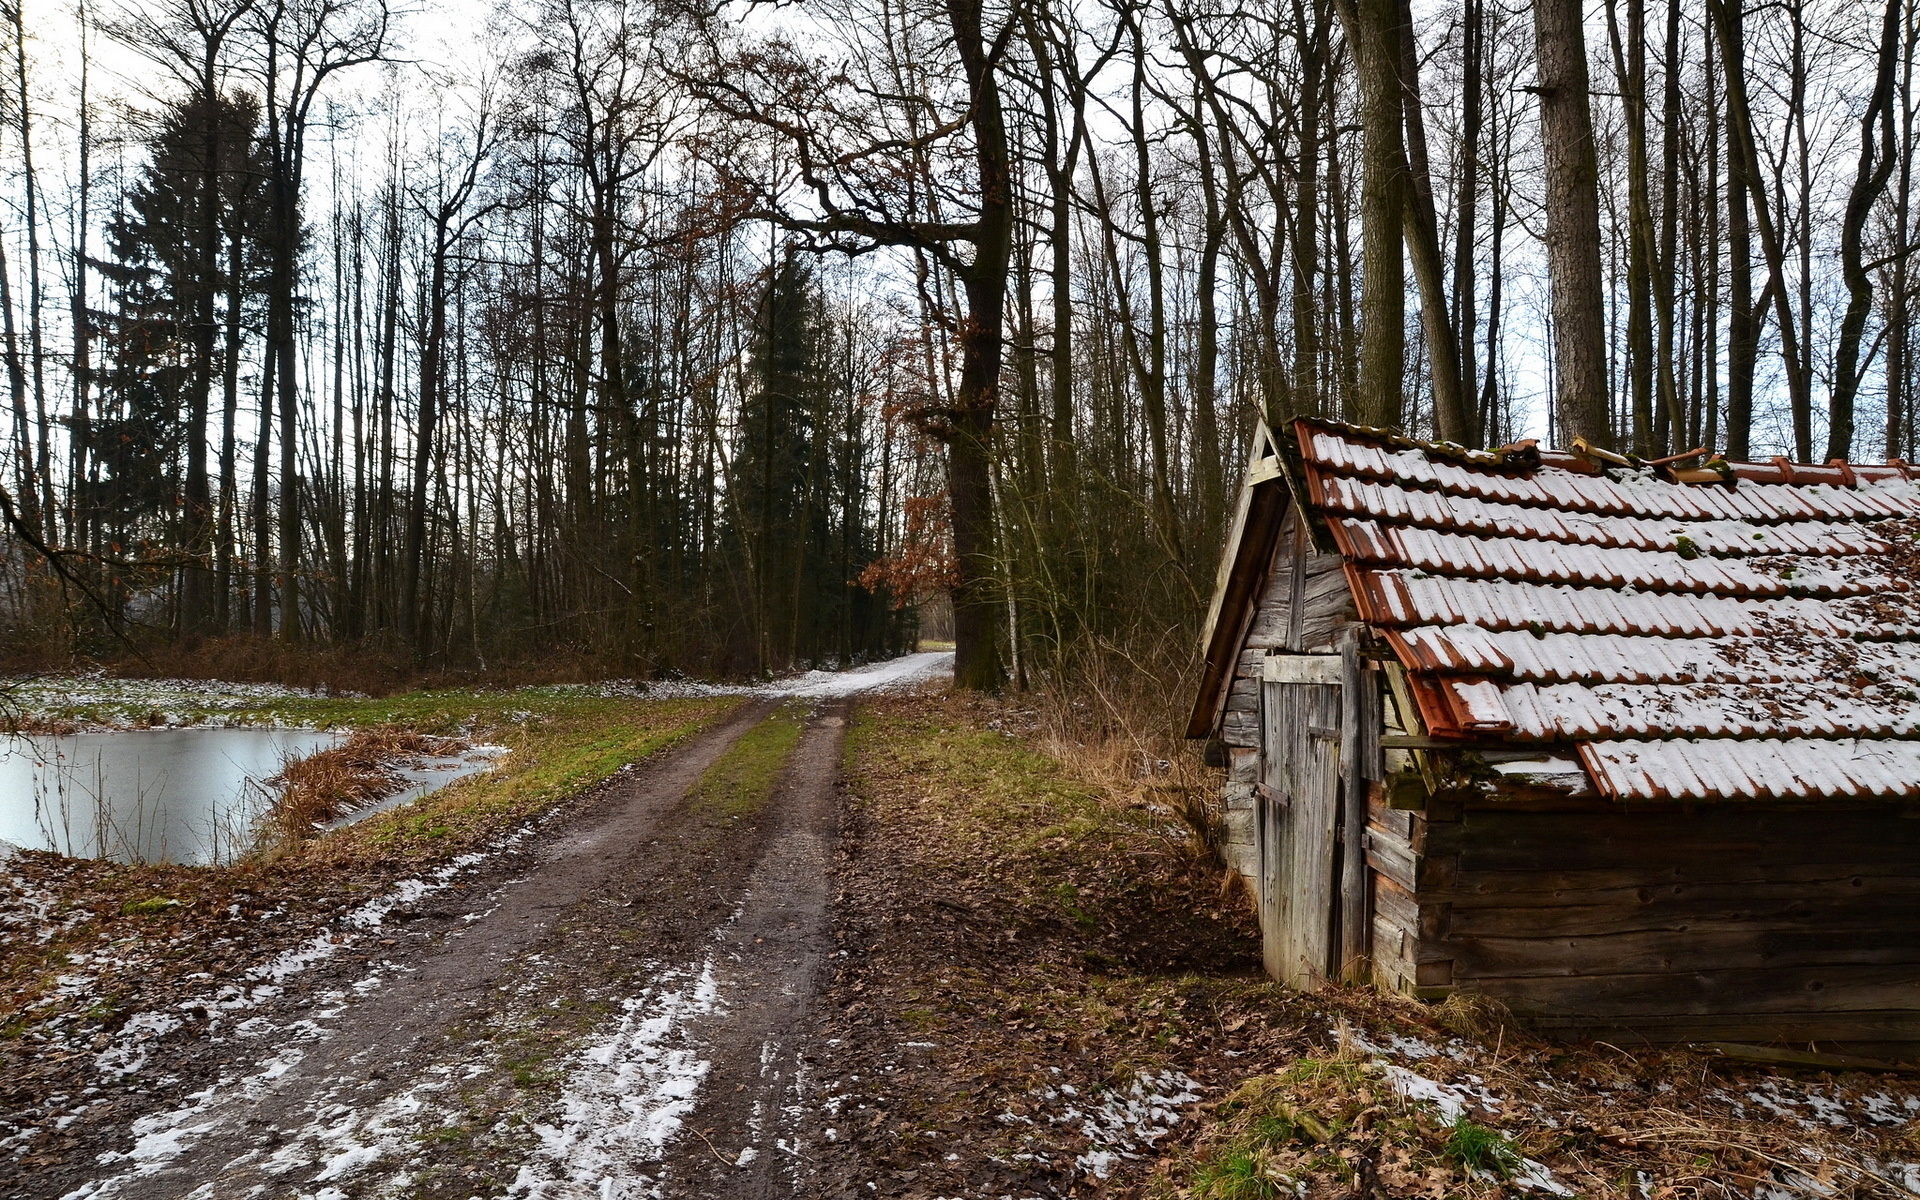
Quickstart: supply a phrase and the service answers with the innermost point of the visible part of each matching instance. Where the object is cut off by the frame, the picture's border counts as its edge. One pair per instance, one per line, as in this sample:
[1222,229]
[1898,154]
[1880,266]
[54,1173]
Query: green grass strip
[742,779]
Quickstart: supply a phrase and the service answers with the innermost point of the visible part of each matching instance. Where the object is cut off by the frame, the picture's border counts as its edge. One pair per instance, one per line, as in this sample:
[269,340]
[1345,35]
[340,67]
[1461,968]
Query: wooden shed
[1627,746]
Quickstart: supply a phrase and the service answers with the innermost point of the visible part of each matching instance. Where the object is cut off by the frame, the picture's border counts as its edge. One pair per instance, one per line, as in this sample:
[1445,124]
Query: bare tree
[851,142]
[303,45]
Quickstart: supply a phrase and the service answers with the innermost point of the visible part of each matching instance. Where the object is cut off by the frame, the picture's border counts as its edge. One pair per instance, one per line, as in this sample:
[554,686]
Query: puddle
[187,795]
[150,795]
[425,775]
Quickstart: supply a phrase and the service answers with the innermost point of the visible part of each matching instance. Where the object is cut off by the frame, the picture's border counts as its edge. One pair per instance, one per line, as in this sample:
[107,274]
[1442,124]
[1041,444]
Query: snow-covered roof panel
[1519,656]
[1565,712]
[1754,769]
[1730,631]
[1681,569]
[1396,597]
[1633,492]
[1394,504]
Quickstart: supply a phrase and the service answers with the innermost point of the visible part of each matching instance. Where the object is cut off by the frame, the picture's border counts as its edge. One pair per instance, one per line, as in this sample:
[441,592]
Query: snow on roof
[1755,637]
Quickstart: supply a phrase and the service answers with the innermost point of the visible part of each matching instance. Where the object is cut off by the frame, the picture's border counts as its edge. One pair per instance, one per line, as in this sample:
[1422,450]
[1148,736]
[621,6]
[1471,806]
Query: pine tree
[159,341]
[772,479]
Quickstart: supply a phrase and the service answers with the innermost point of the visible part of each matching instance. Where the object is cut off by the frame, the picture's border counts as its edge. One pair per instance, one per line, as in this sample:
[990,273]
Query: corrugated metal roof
[1752,639]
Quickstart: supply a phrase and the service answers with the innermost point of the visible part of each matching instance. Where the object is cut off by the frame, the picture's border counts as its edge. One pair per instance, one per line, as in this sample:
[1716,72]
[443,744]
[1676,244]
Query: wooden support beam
[1359,728]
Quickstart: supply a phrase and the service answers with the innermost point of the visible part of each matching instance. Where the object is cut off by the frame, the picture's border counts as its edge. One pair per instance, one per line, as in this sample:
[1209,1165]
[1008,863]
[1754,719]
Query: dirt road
[613,1012]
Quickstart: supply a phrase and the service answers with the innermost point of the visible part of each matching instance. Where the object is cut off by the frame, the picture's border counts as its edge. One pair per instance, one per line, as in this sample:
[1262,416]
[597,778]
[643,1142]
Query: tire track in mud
[389,1035]
[624,1021]
[776,954]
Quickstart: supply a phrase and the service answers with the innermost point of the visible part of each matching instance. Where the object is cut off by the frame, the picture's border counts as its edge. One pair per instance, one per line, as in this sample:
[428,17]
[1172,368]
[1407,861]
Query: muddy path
[620,1016]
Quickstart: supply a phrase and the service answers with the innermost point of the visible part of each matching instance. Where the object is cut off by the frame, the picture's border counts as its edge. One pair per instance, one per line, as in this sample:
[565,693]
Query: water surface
[149,795]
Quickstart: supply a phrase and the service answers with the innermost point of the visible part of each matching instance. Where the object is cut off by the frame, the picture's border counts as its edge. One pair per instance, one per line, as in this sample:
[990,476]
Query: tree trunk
[1450,414]
[1743,327]
[1740,131]
[977,662]
[1878,155]
[196,601]
[1374,34]
[1573,223]
[1466,212]
[1630,74]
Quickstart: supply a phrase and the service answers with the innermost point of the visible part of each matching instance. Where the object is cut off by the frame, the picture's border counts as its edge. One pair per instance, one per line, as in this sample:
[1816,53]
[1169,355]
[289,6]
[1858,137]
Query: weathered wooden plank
[1301,949]
[1302,669]
[1358,744]
[1272,835]
[1240,729]
[1243,764]
[1393,969]
[1747,991]
[1679,952]
[1895,917]
[1395,821]
[1676,843]
[1269,628]
[1295,552]
[1593,889]
[1395,904]
[1393,858]
[1855,1027]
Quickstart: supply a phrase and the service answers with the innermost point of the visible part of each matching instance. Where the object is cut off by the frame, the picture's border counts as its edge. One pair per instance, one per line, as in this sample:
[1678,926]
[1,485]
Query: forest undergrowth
[1050,987]
[366,669]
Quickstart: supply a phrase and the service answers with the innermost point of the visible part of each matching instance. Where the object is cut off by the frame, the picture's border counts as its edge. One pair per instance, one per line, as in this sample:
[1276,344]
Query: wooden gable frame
[1252,540]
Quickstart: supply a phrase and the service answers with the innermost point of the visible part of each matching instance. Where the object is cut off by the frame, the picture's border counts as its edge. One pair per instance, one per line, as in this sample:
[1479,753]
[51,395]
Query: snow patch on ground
[1119,1124]
[1455,1101]
[128,1051]
[100,699]
[160,1138]
[905,671]
[894,673]
[626,1096]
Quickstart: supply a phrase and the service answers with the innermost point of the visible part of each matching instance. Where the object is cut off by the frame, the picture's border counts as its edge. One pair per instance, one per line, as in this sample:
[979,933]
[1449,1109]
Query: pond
[184,795]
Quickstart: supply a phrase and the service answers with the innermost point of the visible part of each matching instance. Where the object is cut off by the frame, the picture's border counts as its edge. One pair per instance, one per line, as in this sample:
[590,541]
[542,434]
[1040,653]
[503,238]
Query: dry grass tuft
[1481,1018]
[334,782]
[1115,717]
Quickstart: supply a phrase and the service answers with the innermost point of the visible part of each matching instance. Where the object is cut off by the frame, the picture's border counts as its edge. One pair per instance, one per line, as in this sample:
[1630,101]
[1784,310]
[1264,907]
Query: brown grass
[335,782]
[1116,716]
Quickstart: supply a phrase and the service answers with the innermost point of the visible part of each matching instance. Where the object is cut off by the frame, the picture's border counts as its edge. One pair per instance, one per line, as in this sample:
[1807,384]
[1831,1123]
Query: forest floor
[850,942]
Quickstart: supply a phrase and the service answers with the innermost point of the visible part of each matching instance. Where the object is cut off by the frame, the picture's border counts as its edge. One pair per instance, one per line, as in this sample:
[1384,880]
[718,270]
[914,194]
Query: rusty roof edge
[1526,456]
[1293,455]
[1517,457]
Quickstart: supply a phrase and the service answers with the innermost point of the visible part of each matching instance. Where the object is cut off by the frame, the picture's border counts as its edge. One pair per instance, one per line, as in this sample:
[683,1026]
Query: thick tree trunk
[1450,413]
[1466,212]
[977,662]
[1743,325]
[1573,223]
[1630,74]
[1373,31]
[1310,41]
[1740,131]
[1666,275]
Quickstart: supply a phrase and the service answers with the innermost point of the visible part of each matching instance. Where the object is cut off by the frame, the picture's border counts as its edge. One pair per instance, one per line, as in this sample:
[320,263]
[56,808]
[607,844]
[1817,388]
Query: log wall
[1722,922]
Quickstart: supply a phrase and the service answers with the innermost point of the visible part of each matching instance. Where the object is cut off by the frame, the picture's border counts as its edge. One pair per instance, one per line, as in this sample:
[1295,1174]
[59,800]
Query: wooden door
[1300,815]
